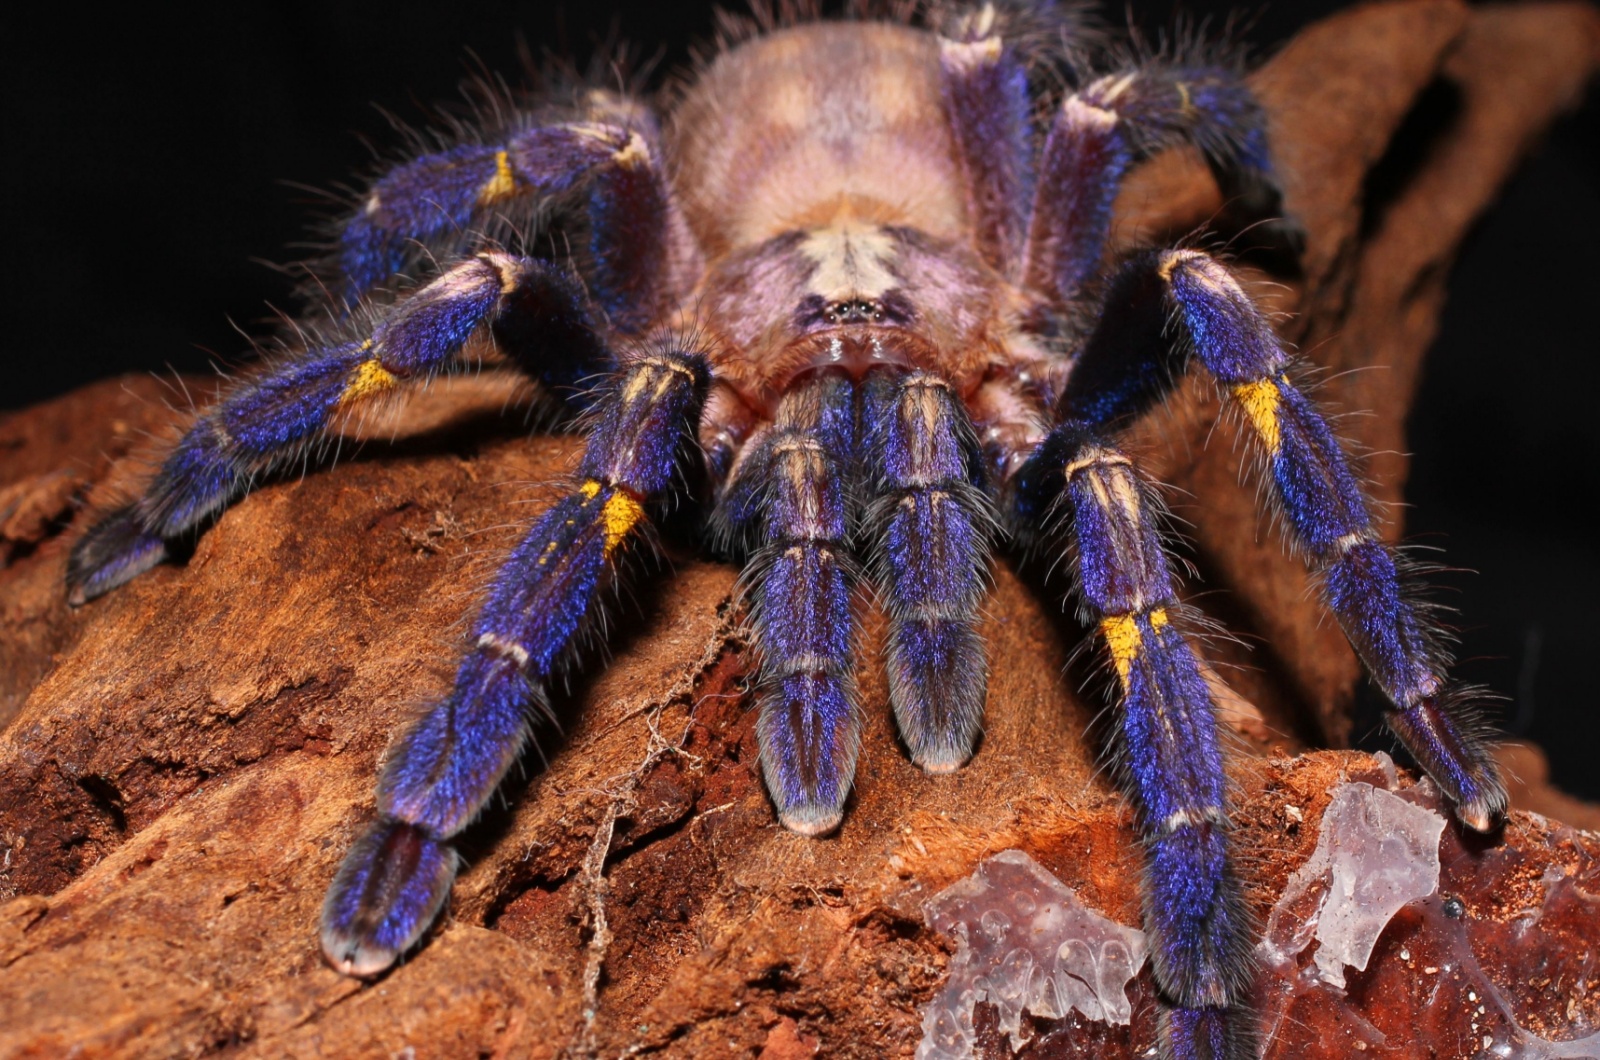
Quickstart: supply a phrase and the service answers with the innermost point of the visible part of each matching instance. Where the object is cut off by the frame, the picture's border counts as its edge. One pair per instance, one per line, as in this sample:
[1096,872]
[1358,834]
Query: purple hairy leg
[1101,131]
[985,89]
[1085,158]
[927,526]
[1327,512]
[438,202]
[534,309]
[442,772]
[796,486]
[1170,759]
[1130,363]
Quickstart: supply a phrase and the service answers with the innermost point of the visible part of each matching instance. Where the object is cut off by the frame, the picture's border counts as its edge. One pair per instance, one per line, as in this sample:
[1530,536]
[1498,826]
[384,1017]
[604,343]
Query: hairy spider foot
[1446,738]
[387,892]
[1203,1034]
[117,550]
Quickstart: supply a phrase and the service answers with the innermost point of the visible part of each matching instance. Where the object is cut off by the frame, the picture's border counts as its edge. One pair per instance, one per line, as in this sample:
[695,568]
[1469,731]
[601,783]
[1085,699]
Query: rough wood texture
[184,762]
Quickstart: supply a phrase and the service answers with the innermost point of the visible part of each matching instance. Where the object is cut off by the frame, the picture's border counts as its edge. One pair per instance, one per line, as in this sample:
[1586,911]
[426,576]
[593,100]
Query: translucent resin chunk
[1024,942]
[1376,853]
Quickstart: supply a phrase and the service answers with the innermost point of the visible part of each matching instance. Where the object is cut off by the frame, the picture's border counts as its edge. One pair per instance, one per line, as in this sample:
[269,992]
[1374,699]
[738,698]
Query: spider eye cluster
[854,311]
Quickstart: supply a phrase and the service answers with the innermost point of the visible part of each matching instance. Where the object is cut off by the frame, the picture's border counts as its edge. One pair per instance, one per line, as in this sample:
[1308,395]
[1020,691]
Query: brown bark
[184,762]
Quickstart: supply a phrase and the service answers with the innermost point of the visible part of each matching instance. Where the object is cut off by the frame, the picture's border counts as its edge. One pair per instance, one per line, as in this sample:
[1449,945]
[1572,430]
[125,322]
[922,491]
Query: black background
[149,169]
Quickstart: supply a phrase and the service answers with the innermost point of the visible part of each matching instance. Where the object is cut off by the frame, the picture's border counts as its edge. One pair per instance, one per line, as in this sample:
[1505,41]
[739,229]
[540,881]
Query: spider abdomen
[786,130]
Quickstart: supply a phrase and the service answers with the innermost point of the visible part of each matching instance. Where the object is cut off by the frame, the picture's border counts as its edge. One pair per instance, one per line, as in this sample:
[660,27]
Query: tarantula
[850,281]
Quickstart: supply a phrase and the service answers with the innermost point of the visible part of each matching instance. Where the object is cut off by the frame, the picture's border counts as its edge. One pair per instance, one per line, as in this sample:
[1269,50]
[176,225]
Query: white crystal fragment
[1376,852]
[1024,941]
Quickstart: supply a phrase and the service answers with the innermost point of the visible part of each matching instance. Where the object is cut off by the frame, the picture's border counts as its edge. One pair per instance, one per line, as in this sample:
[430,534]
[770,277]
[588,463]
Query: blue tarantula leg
[438,198]
[535,309]
[801,583]
[1170,757]
[442,772]
[116,550]
[1101,131]
[985,89]
[1327,512]
[927,527]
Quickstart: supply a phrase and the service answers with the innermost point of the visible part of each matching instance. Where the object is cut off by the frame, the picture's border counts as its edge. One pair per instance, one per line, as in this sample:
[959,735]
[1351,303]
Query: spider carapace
[860,269]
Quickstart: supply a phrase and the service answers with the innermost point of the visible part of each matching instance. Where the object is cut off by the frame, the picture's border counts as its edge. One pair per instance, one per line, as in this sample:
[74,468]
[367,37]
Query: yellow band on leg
[369,378]
[1123,640]
[1260,401]
[622,513]
[503,185]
